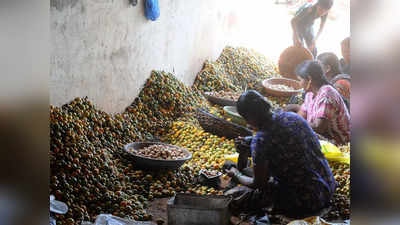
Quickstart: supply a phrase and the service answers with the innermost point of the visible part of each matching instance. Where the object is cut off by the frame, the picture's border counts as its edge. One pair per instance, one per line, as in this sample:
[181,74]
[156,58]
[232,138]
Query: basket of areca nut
[157,155]
[220,127]
[222,98]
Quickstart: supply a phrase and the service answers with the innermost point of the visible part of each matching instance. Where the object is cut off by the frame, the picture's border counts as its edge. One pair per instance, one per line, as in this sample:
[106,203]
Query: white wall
[106,49]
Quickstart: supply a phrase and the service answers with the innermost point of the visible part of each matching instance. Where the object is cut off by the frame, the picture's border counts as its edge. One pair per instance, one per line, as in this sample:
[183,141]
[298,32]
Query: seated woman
[290,172]
[323,106]
[331,65]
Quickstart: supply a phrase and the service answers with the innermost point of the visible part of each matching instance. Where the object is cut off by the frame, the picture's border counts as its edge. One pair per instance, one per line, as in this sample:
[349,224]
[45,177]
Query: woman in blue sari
[291,174]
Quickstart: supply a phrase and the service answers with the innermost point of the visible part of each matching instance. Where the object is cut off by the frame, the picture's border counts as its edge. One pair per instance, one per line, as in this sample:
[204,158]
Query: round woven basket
[219,101]
[290,58]
[154,164]
[220,127]
[284,81]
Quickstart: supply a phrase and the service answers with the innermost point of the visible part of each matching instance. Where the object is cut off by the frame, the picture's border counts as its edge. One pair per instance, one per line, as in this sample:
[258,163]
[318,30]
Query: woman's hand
[320,126]
[296,39]
[292,108]
[238,140]
[242,144]
[232,172]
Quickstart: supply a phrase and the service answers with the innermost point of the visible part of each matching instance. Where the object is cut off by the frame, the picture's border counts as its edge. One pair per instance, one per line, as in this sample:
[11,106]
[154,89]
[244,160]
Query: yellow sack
[333,153]
[234,158]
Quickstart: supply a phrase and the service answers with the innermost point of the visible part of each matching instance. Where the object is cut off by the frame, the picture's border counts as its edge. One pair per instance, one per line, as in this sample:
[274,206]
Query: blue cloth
[152,9]
[295,161]
[306,16]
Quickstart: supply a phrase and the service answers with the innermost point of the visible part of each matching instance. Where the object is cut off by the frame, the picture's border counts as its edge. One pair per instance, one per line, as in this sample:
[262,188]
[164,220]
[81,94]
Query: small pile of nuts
[160,152]
[281,87]
[211,173]
[234,96]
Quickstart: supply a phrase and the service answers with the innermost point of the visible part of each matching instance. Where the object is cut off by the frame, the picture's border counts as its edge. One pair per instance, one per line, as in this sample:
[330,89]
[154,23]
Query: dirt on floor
[158,208]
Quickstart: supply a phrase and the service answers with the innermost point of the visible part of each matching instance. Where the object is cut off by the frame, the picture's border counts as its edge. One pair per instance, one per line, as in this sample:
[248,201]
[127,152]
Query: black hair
[325,4]
[252,105]
[330,59]
[311,69]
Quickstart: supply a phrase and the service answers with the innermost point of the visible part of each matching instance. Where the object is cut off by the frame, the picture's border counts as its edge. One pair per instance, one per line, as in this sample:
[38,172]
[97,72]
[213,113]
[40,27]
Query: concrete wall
[106,49]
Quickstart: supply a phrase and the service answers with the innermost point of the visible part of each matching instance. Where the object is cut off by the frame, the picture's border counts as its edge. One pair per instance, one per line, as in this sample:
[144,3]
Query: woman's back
[328,104]
[293,152]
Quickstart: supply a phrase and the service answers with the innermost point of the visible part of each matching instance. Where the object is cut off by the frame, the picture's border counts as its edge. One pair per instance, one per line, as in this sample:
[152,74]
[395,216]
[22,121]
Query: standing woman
[303,21]
[323,106]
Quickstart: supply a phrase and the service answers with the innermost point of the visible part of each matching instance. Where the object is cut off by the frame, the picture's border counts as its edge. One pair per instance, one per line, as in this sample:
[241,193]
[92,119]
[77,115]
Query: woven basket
[288,82]
[290,58]
[220,127]
[219,101]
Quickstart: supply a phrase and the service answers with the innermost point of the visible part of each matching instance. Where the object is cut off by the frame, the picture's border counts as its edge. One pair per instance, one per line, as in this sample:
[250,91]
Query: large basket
[219,101]
[288,82]
[220,127]
[290,58]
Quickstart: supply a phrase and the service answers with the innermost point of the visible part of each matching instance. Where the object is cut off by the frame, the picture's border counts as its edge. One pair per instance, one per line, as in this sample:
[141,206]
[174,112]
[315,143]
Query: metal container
[155,164]
[190,209]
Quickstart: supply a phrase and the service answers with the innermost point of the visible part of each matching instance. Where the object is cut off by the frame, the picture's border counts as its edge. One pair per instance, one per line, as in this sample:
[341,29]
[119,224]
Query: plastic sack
[234,158]
[52,221]
[152,9]
[316,220]
[57,206]
[259,220]
[333,153]
[108,219]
